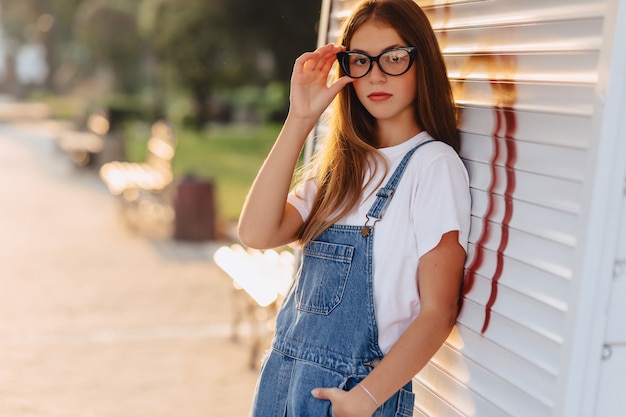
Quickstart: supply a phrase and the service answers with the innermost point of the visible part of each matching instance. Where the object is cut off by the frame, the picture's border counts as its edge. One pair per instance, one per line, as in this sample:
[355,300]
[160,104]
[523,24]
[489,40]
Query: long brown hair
[340,165]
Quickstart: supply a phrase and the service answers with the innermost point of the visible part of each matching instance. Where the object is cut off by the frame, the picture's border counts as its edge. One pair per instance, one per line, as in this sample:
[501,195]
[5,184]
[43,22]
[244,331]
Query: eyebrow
[383,50]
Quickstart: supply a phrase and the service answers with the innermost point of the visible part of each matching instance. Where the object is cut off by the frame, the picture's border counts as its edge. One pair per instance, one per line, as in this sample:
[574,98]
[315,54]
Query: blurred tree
[283,28]
[193,41]
[211,45]
[201,45]
[109,29]
[49,22]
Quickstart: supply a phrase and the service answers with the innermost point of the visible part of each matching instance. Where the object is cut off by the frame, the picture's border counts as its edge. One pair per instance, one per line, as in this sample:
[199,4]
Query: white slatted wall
[525,77]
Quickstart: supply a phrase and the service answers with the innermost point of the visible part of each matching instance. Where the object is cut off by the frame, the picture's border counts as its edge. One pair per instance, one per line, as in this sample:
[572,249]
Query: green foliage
[285,28]
[206,49]
[190,39]
[230,155]
[110,32]
[268,103]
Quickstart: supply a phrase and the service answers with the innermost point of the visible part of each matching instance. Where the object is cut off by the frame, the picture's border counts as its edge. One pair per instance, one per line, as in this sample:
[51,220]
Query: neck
[391,134]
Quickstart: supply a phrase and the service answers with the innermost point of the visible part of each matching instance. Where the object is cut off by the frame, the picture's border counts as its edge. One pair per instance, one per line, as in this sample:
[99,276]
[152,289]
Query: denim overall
[326,332]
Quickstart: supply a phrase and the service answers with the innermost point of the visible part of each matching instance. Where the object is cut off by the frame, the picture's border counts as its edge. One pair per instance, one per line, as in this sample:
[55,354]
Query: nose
[376,75]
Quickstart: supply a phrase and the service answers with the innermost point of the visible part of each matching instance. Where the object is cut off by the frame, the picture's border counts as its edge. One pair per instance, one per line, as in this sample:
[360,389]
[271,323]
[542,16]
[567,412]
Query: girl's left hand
[346,403]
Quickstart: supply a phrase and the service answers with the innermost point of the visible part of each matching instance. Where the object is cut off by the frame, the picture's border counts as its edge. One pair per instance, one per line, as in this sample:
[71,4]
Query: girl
[383,218]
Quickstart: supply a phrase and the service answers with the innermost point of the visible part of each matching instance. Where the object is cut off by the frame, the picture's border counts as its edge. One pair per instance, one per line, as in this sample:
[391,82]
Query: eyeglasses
[394,62]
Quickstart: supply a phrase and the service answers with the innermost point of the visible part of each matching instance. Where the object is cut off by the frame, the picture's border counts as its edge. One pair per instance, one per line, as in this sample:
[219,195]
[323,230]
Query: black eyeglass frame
[342,57]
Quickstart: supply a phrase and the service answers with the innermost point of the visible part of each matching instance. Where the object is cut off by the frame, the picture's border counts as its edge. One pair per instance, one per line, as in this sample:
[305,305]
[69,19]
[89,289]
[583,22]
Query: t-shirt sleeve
[301,197]
[442,203]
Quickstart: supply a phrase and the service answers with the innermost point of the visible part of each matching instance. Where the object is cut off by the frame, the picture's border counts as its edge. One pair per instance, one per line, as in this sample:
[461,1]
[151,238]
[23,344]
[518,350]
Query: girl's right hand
[310,92]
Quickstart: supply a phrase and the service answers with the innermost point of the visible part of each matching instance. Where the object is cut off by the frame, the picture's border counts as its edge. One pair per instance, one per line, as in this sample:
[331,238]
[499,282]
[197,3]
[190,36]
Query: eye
[356,59]
[396,56]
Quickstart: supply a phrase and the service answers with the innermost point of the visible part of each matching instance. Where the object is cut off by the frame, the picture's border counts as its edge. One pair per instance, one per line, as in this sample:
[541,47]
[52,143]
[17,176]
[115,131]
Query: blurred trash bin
[194,209]
[113,149]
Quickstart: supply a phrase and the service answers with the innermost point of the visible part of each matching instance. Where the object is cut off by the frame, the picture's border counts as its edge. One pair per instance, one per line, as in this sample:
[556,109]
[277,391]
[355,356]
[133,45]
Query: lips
[379,96]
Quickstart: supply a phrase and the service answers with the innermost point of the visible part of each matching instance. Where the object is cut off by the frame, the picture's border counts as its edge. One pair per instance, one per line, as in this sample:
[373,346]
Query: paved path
[96,321]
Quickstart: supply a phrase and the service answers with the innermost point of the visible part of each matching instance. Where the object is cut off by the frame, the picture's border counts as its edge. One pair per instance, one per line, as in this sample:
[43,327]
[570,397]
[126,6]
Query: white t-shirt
[431,199]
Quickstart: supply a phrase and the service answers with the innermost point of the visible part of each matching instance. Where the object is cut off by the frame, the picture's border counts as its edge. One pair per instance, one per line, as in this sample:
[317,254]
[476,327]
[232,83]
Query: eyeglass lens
[392,62]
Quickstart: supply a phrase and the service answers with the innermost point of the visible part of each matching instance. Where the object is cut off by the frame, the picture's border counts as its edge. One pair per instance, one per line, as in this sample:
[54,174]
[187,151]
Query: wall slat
[532,314]
[537,220]
[545,160]
[543,191]
[567,131]
[551,289]
[523,247]
[503,395]
[501,363]
[535,348]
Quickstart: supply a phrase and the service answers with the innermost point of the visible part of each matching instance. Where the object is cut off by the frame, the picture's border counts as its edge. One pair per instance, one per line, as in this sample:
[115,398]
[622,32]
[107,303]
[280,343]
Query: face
[388,98]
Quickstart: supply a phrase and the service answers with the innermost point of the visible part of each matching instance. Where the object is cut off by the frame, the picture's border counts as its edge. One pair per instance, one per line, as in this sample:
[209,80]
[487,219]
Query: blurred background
[202,65]
[130,131]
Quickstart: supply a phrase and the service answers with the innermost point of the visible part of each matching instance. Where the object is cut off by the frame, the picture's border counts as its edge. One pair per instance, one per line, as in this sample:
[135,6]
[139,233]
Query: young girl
[383,219]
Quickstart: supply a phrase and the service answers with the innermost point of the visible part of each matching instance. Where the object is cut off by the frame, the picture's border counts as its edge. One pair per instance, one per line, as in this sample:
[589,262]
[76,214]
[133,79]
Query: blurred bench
[260,280]
[85,143]
[144,187]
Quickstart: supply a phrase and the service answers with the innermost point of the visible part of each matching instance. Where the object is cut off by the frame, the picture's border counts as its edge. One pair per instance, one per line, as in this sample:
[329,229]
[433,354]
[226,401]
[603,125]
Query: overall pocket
[406,401]
[323,276]
[305,377]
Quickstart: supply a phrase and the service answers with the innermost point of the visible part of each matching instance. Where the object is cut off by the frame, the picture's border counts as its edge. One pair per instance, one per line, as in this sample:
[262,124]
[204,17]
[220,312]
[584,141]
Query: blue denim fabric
[326,332]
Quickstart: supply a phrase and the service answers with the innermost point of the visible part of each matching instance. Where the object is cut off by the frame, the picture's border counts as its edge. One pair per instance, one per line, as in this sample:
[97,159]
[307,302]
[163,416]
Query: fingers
[325,393]
[328,55]
[340,83]
[310,91]
[321,59]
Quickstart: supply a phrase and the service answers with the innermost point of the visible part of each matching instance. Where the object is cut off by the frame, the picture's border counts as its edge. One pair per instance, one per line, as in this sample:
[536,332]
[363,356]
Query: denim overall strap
[384,194]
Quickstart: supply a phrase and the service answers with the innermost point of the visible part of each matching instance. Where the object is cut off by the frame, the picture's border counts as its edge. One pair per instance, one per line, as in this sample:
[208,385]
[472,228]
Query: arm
[267,220]
[440,278]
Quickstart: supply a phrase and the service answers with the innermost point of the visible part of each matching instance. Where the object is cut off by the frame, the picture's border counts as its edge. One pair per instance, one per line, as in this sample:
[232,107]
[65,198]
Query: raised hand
[310,91]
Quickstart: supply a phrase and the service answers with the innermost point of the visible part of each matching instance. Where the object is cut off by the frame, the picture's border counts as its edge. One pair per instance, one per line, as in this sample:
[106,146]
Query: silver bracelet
[369,393]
